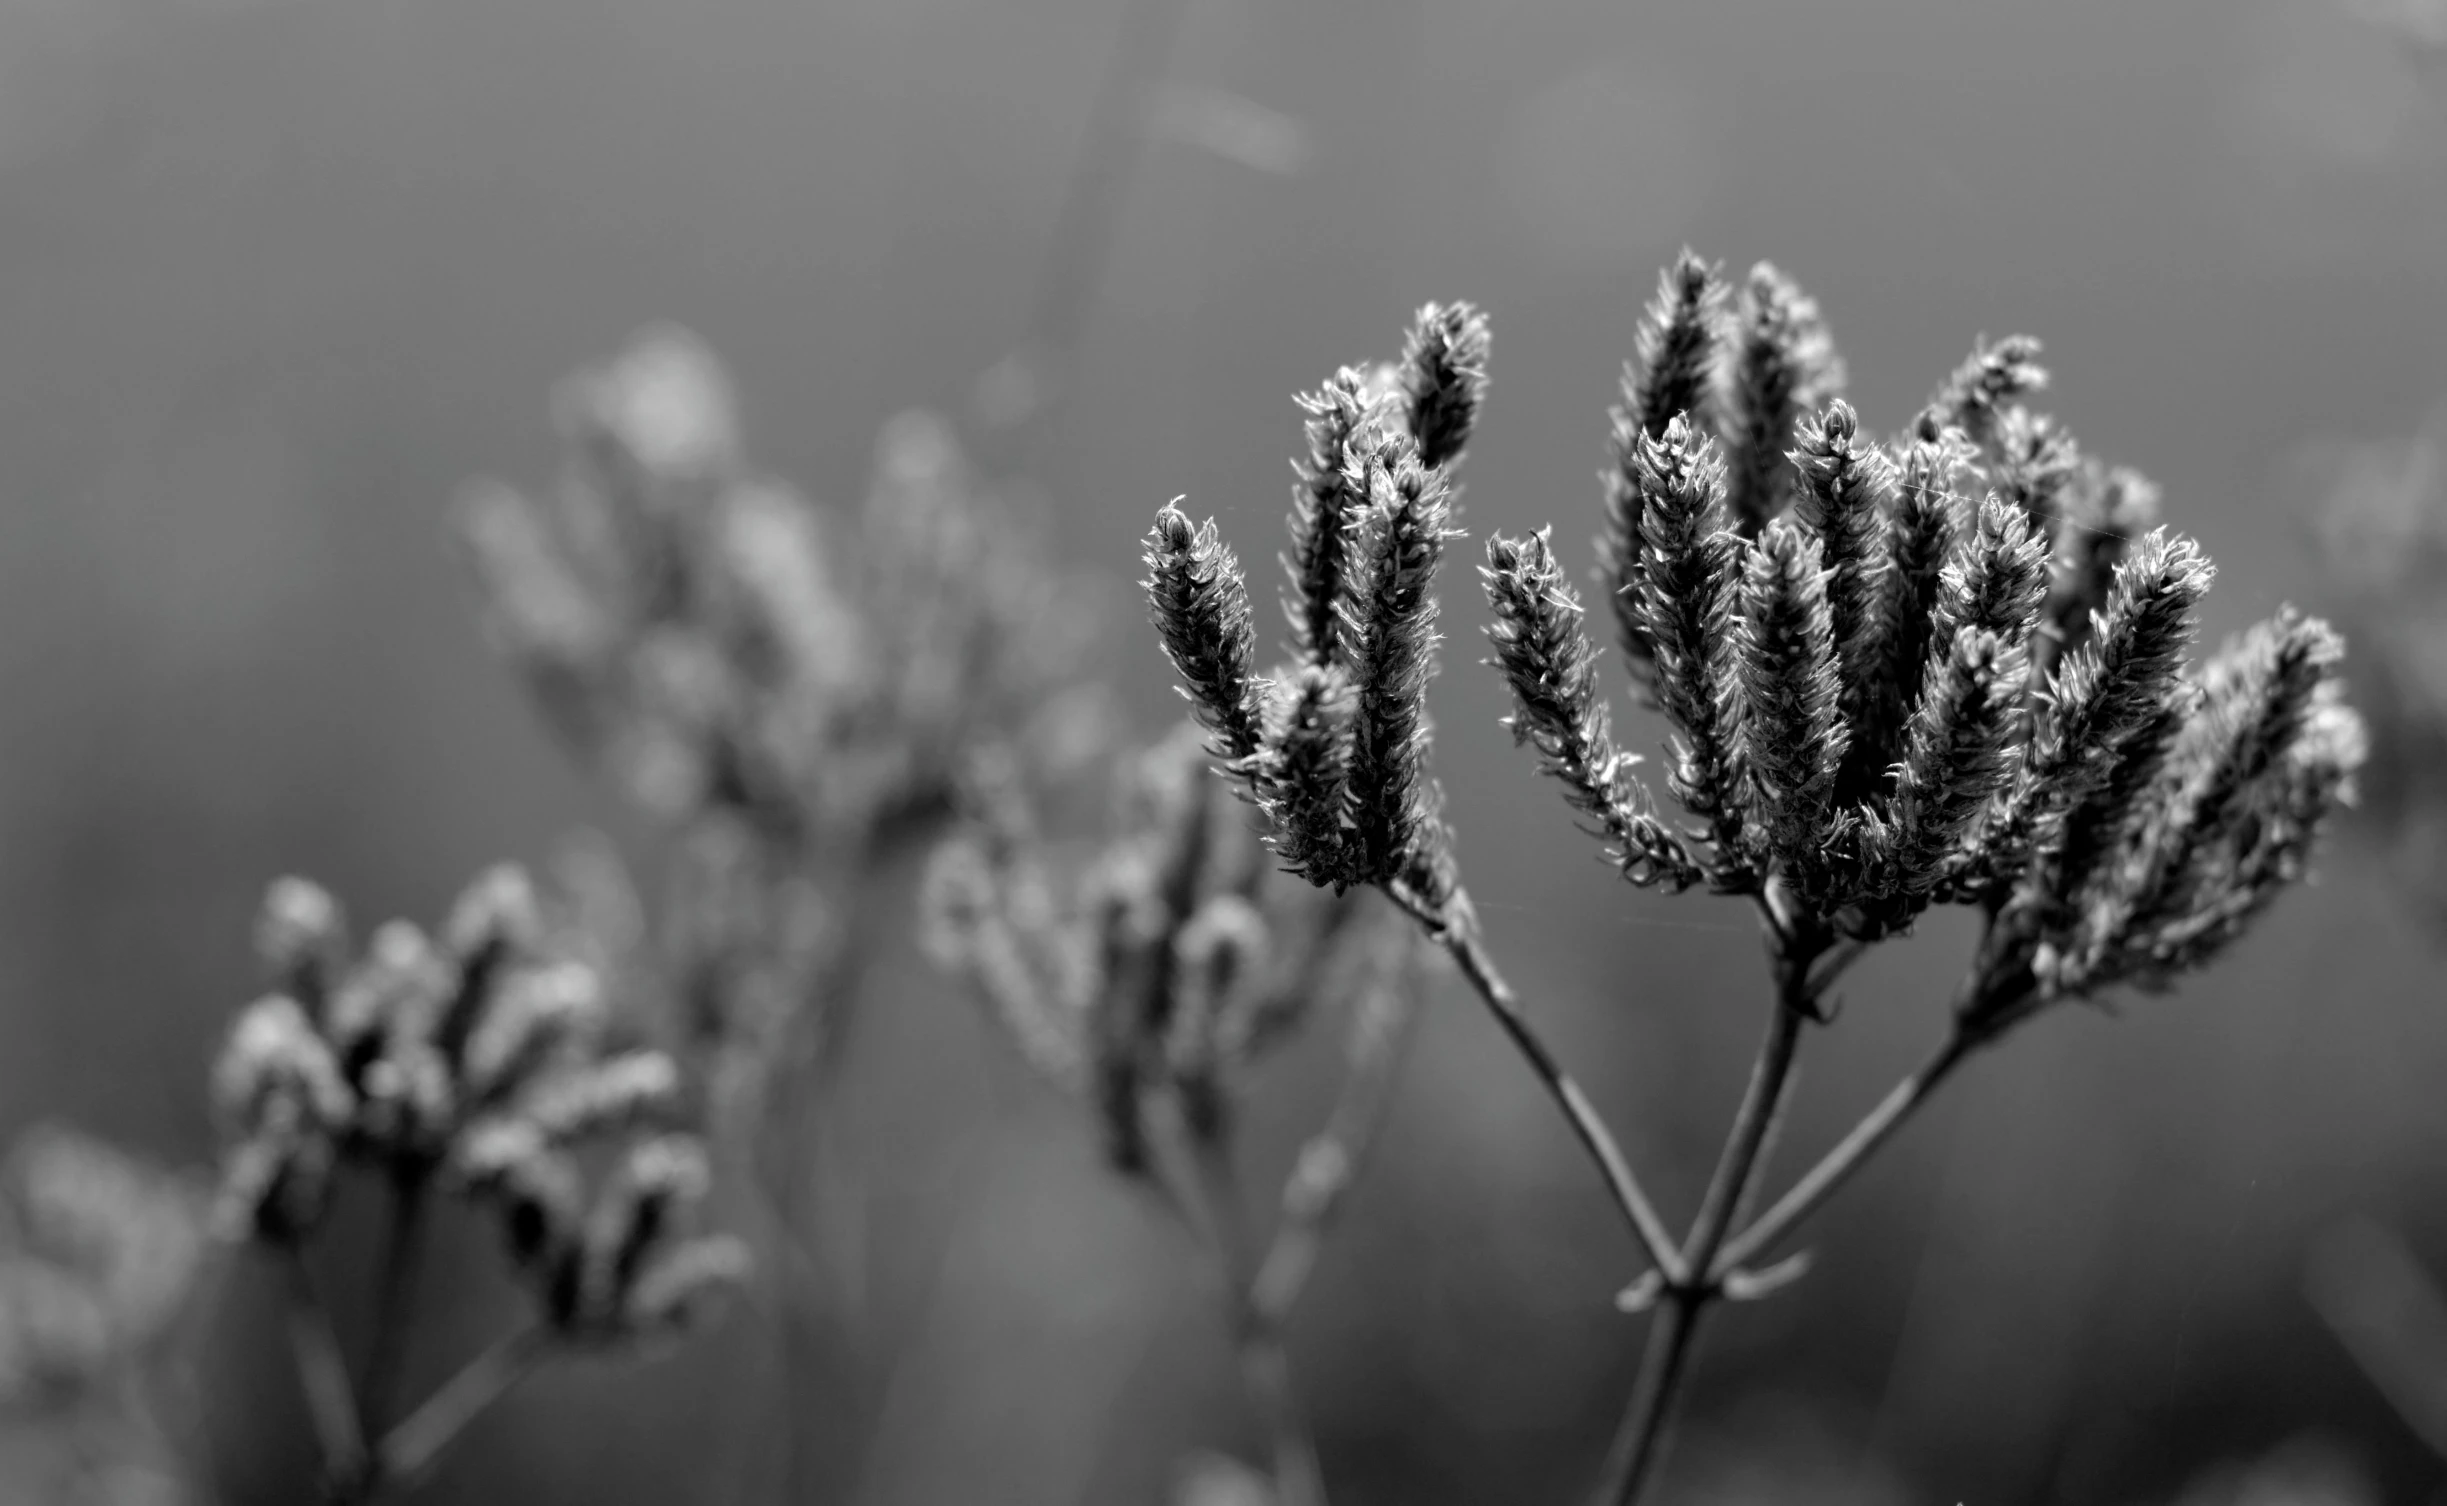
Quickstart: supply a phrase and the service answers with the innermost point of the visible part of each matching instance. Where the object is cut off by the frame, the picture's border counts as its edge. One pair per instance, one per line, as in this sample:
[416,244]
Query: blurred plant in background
[1886,695]
[1148,979]
[99,1255]
[794,698]
[2383,533]
[485,1066]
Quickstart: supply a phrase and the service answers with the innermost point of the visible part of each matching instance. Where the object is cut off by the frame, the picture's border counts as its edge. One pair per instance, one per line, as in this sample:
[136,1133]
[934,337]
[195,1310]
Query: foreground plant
[1946,669]
[483,1066]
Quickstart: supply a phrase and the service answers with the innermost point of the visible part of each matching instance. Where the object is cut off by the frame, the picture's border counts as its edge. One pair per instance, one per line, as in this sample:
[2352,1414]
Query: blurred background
[278,276]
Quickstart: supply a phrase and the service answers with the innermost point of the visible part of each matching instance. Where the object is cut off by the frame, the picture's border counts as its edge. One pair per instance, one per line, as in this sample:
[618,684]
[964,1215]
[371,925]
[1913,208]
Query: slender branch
[402,1246]
[1257,1335]
[1640,1440]
[1313,1193]
[1452,928]
[1762,1102]
[1838,1165]
[411,1448]
[322,1370]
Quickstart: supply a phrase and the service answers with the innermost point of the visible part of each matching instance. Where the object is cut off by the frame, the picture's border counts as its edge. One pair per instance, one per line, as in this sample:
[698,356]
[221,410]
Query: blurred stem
[799,1134]
[1453,927]
[1257,1333]
[323,1373]
[402,1246]
[411,1448]
[1088,219]
[1313,1193]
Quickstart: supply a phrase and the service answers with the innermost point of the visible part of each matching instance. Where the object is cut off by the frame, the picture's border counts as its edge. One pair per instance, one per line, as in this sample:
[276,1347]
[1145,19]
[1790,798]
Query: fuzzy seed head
[1200,604]
[1443,378]
[1782,365]
[1328,503]
[1793,730]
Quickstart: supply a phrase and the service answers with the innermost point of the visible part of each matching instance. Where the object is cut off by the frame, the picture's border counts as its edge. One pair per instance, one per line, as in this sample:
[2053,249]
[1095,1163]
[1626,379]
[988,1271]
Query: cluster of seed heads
[1333,746]
[1948,667]
[1155,970]
[1951,666]
[482,1062]
[782,688]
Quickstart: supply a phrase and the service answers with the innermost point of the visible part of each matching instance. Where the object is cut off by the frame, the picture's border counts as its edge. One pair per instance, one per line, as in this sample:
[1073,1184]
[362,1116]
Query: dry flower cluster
[1950,667]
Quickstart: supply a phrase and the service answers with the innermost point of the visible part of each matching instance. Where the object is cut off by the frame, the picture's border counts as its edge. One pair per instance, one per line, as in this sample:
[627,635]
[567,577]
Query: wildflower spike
[2033,462]
[1303,773]
[1685,602]
[2100,697]
[1394,651]
[1327,504]
[1444,378]
[1847,490]
[1547,661]
[1782,365]
[1793,734]
[1919,543]
[1957,756]
[1674,352]
[1201,608]
[1982,387]
[2105,510]
[1674,361]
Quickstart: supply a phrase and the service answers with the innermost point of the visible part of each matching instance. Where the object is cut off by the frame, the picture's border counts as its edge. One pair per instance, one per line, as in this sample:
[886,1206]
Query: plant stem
[401,1247]
[1640,1440]
[1838,1165]
[322,1371]
[1257,1334]
[1313,1193]
[1452,927]
[411,1448]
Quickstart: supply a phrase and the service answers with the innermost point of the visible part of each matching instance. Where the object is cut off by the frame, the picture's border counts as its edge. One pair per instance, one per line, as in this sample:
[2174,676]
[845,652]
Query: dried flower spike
[1782,365]
[1547,662]
[1444,378]
[1201,608]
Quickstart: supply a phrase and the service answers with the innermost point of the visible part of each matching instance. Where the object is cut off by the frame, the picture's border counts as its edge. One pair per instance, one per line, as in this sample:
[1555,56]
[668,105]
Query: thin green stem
[1452,928]
[412,1448]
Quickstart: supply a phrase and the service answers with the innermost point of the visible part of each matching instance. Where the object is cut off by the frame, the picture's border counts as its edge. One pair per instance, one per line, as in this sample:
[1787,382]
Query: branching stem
[1836,1167]
[1452,927]
[1684,1298]
[411,1448]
